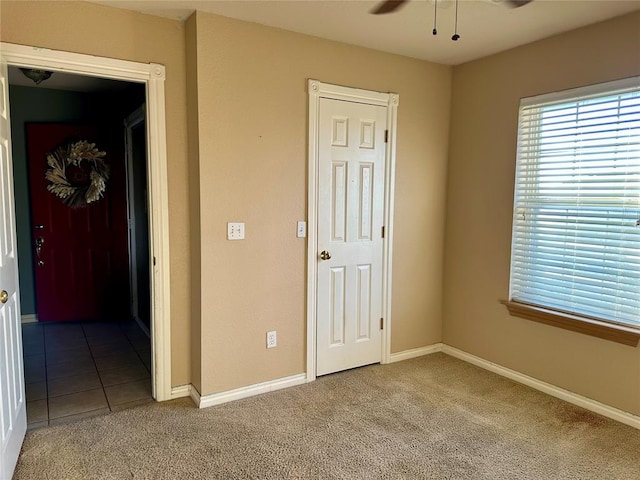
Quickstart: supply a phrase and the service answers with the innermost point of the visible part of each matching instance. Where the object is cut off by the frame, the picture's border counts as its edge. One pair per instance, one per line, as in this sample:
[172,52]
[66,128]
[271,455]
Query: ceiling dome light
[38,76]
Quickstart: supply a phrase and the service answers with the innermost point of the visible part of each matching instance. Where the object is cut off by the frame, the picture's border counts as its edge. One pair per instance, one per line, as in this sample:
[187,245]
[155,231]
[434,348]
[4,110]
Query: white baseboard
[584,402]
[195,395]
[181,391]
[273,385]
[415,352]
[185,391]
[32,318]
[249,391]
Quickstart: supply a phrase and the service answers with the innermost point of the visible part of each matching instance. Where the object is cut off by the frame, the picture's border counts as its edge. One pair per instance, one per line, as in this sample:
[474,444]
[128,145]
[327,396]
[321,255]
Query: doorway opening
[86,332]
[151,77]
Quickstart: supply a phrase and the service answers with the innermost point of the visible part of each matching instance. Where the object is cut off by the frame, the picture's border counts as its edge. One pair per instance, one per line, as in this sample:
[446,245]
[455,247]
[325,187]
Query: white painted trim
[31,318]
[312,240]
[158,188]
[387,244]
[249,391]
[584,402]
[153,76]
[57,60]
[415,352]
[181,391]
[317,90]
[195,396]
[349,94]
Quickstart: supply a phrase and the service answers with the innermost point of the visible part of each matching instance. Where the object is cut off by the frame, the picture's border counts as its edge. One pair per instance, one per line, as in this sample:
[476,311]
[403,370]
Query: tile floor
[75,370]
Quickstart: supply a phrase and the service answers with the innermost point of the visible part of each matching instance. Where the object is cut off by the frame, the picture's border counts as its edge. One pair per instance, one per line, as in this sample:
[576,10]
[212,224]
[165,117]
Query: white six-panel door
[351,169]
[13,413]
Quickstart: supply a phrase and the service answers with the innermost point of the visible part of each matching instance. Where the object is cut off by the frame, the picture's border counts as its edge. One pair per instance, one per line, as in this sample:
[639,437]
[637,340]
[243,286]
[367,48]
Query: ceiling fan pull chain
[435,17]
[455,36]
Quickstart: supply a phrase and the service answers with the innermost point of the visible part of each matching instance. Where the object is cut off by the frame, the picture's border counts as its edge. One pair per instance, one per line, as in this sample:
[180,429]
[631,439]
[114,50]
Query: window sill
[595,328]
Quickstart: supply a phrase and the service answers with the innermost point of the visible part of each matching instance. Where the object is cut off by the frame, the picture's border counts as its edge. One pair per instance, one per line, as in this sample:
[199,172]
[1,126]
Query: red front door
[80,254]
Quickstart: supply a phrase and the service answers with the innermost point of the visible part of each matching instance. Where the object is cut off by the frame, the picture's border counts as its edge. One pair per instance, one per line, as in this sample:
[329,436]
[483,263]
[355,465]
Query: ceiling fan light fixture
[388,6]
[517,3]
[37,76]
[511,3]
[455,37]
[435,17]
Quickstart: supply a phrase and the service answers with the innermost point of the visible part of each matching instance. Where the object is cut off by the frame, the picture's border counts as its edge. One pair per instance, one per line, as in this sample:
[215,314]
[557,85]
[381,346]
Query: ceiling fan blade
[388,6]
[517,3]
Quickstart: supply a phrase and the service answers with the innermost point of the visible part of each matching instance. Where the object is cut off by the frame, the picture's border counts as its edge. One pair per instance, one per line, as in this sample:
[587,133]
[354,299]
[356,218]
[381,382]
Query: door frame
[152,75]
[134,119]
[316,91]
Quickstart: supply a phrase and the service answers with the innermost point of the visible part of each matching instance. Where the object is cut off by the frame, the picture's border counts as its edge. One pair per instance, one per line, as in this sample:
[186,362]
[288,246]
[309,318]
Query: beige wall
[241,90]
[92,29]
[252,113]
[194,201]
[479,204]
[244,159]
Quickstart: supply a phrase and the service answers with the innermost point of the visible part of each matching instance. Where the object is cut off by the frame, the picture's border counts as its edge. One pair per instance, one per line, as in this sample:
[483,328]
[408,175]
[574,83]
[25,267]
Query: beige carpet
[434,417]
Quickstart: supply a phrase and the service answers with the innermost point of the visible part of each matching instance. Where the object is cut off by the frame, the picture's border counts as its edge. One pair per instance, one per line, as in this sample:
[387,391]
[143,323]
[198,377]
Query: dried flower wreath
[77,173]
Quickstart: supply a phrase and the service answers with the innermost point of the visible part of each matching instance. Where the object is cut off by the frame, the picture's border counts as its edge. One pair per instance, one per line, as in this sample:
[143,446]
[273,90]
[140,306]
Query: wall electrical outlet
[271,339]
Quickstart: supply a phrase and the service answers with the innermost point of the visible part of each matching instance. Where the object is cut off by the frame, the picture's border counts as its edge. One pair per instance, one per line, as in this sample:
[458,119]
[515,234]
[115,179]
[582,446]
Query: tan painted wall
[91,29]
[246,161]
[194,200]
[252,115]
[479,205]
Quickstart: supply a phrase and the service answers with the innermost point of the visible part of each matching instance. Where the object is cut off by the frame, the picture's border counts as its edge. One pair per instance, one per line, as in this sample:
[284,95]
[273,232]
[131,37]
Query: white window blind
[576,233]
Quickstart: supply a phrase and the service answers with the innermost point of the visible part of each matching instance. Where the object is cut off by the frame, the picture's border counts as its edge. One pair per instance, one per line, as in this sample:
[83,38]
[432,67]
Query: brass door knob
[4,296]
[324,255]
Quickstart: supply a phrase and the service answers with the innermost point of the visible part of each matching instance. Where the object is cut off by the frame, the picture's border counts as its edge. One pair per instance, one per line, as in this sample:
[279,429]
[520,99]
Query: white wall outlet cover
[271,339]
[235,231]
[302,229]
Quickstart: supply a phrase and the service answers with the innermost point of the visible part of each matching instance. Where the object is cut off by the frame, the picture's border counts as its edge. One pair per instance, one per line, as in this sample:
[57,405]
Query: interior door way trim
[153,76]
[316,91]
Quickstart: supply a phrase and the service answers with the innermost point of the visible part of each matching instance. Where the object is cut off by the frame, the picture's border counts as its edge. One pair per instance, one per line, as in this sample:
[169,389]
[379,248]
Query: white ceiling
[485,26]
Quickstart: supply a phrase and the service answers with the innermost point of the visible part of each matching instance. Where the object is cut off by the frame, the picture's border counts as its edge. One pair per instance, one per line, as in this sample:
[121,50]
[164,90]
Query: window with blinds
[576,223]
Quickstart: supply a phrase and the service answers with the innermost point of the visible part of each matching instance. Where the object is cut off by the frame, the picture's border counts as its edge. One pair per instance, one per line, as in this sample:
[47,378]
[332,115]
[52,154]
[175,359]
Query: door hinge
[386,136]
[381,323]
[383,232]
[154,261]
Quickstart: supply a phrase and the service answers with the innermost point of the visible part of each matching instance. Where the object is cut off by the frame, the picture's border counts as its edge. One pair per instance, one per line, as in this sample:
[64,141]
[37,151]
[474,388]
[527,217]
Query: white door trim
[153,76]
[318,90]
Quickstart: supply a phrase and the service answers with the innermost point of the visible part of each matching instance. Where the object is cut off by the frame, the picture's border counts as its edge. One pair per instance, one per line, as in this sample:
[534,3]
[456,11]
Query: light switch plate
[302,229]
[235,231]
